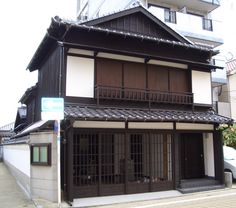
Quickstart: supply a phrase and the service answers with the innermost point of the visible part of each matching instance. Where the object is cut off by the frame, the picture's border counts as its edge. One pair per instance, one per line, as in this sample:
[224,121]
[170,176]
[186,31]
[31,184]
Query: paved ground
[11,196]
[225,198]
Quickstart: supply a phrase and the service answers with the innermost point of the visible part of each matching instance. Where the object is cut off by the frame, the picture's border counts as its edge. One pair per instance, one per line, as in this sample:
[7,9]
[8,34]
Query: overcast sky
[24,24]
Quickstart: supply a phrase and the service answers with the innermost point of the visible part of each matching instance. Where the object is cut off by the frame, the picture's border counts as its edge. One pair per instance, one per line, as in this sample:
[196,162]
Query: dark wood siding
[109,72]
[115,73]
[138,23]
[110,163]
[179,80]
[134,75]
[31,111]
[168,79]
[157,78]
[125,44]
[48,78]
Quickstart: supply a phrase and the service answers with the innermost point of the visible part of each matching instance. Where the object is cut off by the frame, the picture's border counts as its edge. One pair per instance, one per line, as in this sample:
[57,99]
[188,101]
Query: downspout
[62,57]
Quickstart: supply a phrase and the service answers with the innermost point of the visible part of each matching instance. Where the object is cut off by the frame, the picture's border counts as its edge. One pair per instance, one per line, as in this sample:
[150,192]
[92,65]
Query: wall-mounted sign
[52,108]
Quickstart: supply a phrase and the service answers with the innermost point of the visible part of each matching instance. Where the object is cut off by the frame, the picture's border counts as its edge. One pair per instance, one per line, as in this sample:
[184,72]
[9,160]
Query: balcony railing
[142,95]
[214,2]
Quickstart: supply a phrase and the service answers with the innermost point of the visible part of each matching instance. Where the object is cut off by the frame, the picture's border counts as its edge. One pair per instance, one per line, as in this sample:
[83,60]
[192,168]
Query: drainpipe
[61,67]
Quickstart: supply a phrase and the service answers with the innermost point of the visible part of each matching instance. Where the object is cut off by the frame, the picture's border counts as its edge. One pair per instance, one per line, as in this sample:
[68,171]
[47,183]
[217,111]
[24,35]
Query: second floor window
[170,16]
[207,24]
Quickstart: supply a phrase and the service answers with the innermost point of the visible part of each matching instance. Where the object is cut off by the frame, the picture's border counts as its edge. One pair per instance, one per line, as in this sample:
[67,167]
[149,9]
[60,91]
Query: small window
[170,16]
[207,24]
[41,154]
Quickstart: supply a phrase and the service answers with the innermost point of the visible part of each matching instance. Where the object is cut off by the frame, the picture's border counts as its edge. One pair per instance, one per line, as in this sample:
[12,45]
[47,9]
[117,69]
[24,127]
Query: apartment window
[41,154]
[207,24]
[170,16]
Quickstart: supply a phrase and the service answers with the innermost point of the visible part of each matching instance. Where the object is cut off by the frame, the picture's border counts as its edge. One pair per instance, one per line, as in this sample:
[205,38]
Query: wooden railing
[142,95]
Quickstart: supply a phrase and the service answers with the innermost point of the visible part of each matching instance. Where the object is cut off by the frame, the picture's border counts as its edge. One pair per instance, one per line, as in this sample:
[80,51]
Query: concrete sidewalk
[11,196]
[207,199]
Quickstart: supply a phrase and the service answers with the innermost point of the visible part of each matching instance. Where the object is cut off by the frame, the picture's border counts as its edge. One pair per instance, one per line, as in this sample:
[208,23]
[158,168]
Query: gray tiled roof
[93,113]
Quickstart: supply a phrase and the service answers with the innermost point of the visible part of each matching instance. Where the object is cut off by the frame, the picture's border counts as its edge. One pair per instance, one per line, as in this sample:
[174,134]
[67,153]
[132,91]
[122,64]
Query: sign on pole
[53,109]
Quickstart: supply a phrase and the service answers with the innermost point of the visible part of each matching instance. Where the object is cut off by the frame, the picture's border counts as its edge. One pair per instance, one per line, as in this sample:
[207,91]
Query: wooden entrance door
[192,165]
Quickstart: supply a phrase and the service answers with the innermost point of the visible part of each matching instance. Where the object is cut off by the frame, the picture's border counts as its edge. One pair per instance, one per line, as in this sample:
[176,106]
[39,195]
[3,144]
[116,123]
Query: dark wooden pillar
[69,162]
[99,164]
[176,159]
[218,156]
[126,163]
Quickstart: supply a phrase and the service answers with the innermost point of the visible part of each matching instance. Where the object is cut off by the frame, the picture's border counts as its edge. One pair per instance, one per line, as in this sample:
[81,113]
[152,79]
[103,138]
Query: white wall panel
[201,87]
[81,51]
[120,57]
[150,125]
[194,126]
[208,154]
[99,124]
[80,77]
[18,156]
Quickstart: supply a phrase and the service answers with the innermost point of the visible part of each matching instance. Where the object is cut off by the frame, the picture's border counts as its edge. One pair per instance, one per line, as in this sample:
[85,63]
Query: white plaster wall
[208,154]
[44,178]
[80,77]
[18,156]
[120,57]
[201,87]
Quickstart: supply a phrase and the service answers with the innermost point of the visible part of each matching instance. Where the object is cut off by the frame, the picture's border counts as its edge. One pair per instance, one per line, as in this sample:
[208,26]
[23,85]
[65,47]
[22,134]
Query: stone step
[200,188]
[198,183]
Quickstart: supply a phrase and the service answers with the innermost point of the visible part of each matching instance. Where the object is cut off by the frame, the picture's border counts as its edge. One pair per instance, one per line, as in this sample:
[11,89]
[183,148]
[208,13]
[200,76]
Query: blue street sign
[52,108]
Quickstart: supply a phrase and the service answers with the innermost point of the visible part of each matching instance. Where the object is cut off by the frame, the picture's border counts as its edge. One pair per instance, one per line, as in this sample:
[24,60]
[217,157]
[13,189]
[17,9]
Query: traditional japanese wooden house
[138,106]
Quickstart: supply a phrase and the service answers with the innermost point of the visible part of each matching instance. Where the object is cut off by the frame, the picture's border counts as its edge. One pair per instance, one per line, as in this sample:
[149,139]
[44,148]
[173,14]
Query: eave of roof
[28,93]
[118,114]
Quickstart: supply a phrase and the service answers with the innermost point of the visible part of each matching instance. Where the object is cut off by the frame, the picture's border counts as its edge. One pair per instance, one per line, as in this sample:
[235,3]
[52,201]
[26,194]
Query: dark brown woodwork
[192,155]
[110,163]
[218,156]
[165,158]
[133,46]
[49,84]
[141,95]
[109,72]
[179,80]
[157,78]
[134,75]
[138,23]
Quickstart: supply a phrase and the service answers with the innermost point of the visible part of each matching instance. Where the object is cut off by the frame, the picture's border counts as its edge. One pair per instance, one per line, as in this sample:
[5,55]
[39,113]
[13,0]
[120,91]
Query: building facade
[138,109]
[194,19]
